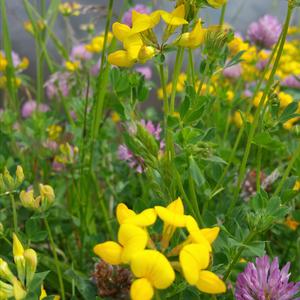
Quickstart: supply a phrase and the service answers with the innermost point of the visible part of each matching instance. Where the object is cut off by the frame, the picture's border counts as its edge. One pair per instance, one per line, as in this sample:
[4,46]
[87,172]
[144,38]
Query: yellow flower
[5,271]
[115,117]
[6,291]
[28,200]
[120,58]
[173,217]
[258,98]
[153,270]
[19,292]
[54,131]
[132,239]
[238,120]
[143,22]
[19,259]
[44,294]
[24,63]
[47,193]
[176,17]
[194,259]
[96,44]
[194,38]
[3,82]
[72,66]
[230,95]
[285,99]
[3,63]
[128,216]
[30,263]
[216,3]
[237,45]
[297,186]
[70,9]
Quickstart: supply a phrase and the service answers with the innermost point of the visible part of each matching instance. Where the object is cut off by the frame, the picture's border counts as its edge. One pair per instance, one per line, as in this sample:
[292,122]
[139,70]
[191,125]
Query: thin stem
[203,78]
[14,210]
[257,113]
[222,16]
[56,261]
[288,170]
[192,69]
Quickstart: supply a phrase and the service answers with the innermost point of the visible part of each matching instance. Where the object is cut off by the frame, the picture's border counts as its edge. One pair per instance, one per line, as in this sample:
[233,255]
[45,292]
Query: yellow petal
[110,252]
[210,233]
[193,258]
[216,3]
[176,17]
[194,38]
[120,58]
[210,283]
[123,213]
[121,31]
[145,218]
[146,53]
[133,45]
[18,249]
[154,266]
[141,289]
[143,22]
[133,239]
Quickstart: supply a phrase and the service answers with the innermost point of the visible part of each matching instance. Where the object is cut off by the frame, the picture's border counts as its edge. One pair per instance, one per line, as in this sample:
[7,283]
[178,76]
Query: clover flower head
[31,106]
[291,81]
[59,84]
[233,72]
[79,52]
[264,280]
[265,32]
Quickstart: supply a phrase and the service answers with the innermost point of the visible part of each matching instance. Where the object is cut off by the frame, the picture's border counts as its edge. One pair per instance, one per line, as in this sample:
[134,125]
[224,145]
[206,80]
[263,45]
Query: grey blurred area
[240,13]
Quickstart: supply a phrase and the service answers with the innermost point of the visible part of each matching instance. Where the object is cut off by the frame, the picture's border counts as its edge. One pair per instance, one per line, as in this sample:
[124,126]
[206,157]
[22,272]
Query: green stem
[288,170]
[14,210]
[248,239]
[258,168]
[192,69]
[257,113]
[56,261]
[203,78]
[222,16]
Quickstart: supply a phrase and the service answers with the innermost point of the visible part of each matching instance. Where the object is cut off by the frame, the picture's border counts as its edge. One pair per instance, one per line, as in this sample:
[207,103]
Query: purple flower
[292,82]
[233,72]
[30,106]
[80,53]
[58,85]
[265,281]
[265,32]
[127,17]
[134,161]
[146,71]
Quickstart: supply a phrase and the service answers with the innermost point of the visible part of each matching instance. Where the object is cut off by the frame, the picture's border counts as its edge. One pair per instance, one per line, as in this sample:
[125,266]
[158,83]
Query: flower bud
[8,180]
[47,192]
[31,264]
[2,184]
[5,272]
[6,290]
[28,200]
[19,292]
[18,253]
[19,175]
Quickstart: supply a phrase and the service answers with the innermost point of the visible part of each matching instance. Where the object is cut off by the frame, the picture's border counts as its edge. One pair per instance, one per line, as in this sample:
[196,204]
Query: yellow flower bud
[216,3]
[2,184]
[28,200]
[8,179]
[20,175]
[24,63]
[6,290]
[31,264]
[72,66]
[47,194]
[3,64]
[5,272]
[19,292]
[18,253]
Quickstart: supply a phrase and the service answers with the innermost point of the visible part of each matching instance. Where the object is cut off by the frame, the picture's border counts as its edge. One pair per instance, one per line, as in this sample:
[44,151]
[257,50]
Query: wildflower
[54,131]
[237,45]
[145,71]
[194,38]
[67,155]
[173,217]
[97,43]
[132,239]
[30,264]
[18,253]
[297,186]
[142,22]
[140,8]
[115,117]
[285,99]
[194,259]
[79,52]
[176,17]
[3,62]
[6,290]
[28,200]
[292,82]
[264,280]
[70,9]
[31,106]
[5,272]
[153,270]
[230,95]
[238,120]
[44,294]
[112,281]
[258,98]
[291,223]
[216,3]
[72,66]
[233,72]
[19,292]
[265,32]
[59,84]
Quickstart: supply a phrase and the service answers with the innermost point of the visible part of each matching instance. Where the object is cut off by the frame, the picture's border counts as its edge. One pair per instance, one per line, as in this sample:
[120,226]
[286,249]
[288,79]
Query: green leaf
[196,172]
[184,107]
[265,140]
[289,112]
[34,289]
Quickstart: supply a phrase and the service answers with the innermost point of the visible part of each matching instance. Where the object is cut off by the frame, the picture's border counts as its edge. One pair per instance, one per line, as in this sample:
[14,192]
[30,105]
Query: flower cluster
[153,265]
[25,263]
[9,183]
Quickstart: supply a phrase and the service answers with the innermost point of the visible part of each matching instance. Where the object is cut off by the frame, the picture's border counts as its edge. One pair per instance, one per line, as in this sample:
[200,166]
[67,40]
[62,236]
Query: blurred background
[240,13]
